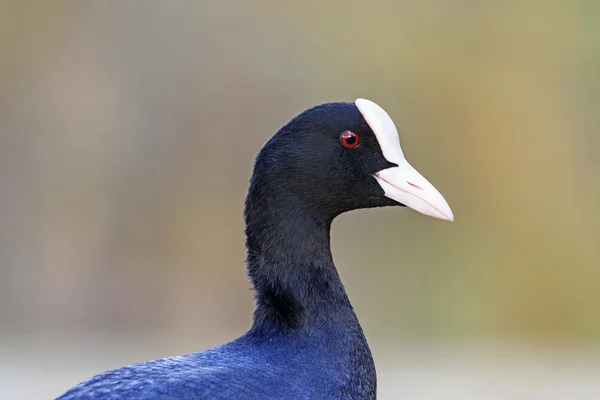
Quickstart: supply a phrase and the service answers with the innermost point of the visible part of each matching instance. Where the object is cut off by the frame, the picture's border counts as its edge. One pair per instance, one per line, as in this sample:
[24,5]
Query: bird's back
[242,369]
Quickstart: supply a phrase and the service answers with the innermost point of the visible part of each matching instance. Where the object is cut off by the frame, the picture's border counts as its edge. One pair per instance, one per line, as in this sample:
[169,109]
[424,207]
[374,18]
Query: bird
[305,341]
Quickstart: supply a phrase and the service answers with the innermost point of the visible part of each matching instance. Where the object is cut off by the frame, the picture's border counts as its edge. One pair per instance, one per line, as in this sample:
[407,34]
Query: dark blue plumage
[305,341]
[278,367]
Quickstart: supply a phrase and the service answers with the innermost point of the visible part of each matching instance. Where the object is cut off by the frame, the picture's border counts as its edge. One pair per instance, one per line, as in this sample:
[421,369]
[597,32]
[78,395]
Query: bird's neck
[291,268]
[300,296]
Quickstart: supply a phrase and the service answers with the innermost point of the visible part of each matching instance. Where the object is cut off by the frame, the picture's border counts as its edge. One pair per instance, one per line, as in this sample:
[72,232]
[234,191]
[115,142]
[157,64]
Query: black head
[337,157]
[323,161]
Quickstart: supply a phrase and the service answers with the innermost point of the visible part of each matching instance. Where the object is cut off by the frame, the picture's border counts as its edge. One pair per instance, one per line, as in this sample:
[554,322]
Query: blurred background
[127,137]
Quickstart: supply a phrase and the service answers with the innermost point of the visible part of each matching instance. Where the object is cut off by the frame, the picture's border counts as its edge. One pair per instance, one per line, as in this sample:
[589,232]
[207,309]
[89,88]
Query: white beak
[403,183]
[407,186]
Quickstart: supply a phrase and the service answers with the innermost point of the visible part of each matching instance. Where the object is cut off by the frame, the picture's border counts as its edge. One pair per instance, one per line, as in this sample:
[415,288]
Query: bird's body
[305,341]
[277,367]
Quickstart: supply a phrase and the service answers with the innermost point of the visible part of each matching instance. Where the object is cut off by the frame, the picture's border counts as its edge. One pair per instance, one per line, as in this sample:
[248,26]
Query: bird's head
[337,157]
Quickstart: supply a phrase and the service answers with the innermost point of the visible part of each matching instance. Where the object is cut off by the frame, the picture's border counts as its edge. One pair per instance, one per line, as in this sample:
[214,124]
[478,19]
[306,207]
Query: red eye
[349,139]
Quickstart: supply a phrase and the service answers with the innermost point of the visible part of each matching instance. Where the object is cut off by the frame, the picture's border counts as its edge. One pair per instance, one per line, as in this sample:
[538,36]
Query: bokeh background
[127,135]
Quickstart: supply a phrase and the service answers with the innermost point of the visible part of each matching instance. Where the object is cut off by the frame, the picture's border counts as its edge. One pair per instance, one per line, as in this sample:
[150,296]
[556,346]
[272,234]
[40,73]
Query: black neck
[291,267]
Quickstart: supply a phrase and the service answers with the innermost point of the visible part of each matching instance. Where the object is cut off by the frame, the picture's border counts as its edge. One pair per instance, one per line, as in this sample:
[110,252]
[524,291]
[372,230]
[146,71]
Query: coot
[305,341]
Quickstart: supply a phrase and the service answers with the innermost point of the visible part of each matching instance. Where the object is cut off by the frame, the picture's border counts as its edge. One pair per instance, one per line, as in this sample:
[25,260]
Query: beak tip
[449,215]
[446,217]
[443,212]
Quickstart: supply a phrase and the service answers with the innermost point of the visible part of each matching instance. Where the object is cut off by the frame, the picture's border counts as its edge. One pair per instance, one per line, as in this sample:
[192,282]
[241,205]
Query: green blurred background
[127,135]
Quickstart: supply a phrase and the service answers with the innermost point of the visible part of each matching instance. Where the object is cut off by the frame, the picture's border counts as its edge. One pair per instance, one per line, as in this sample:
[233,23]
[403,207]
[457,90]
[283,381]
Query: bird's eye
[349,139]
